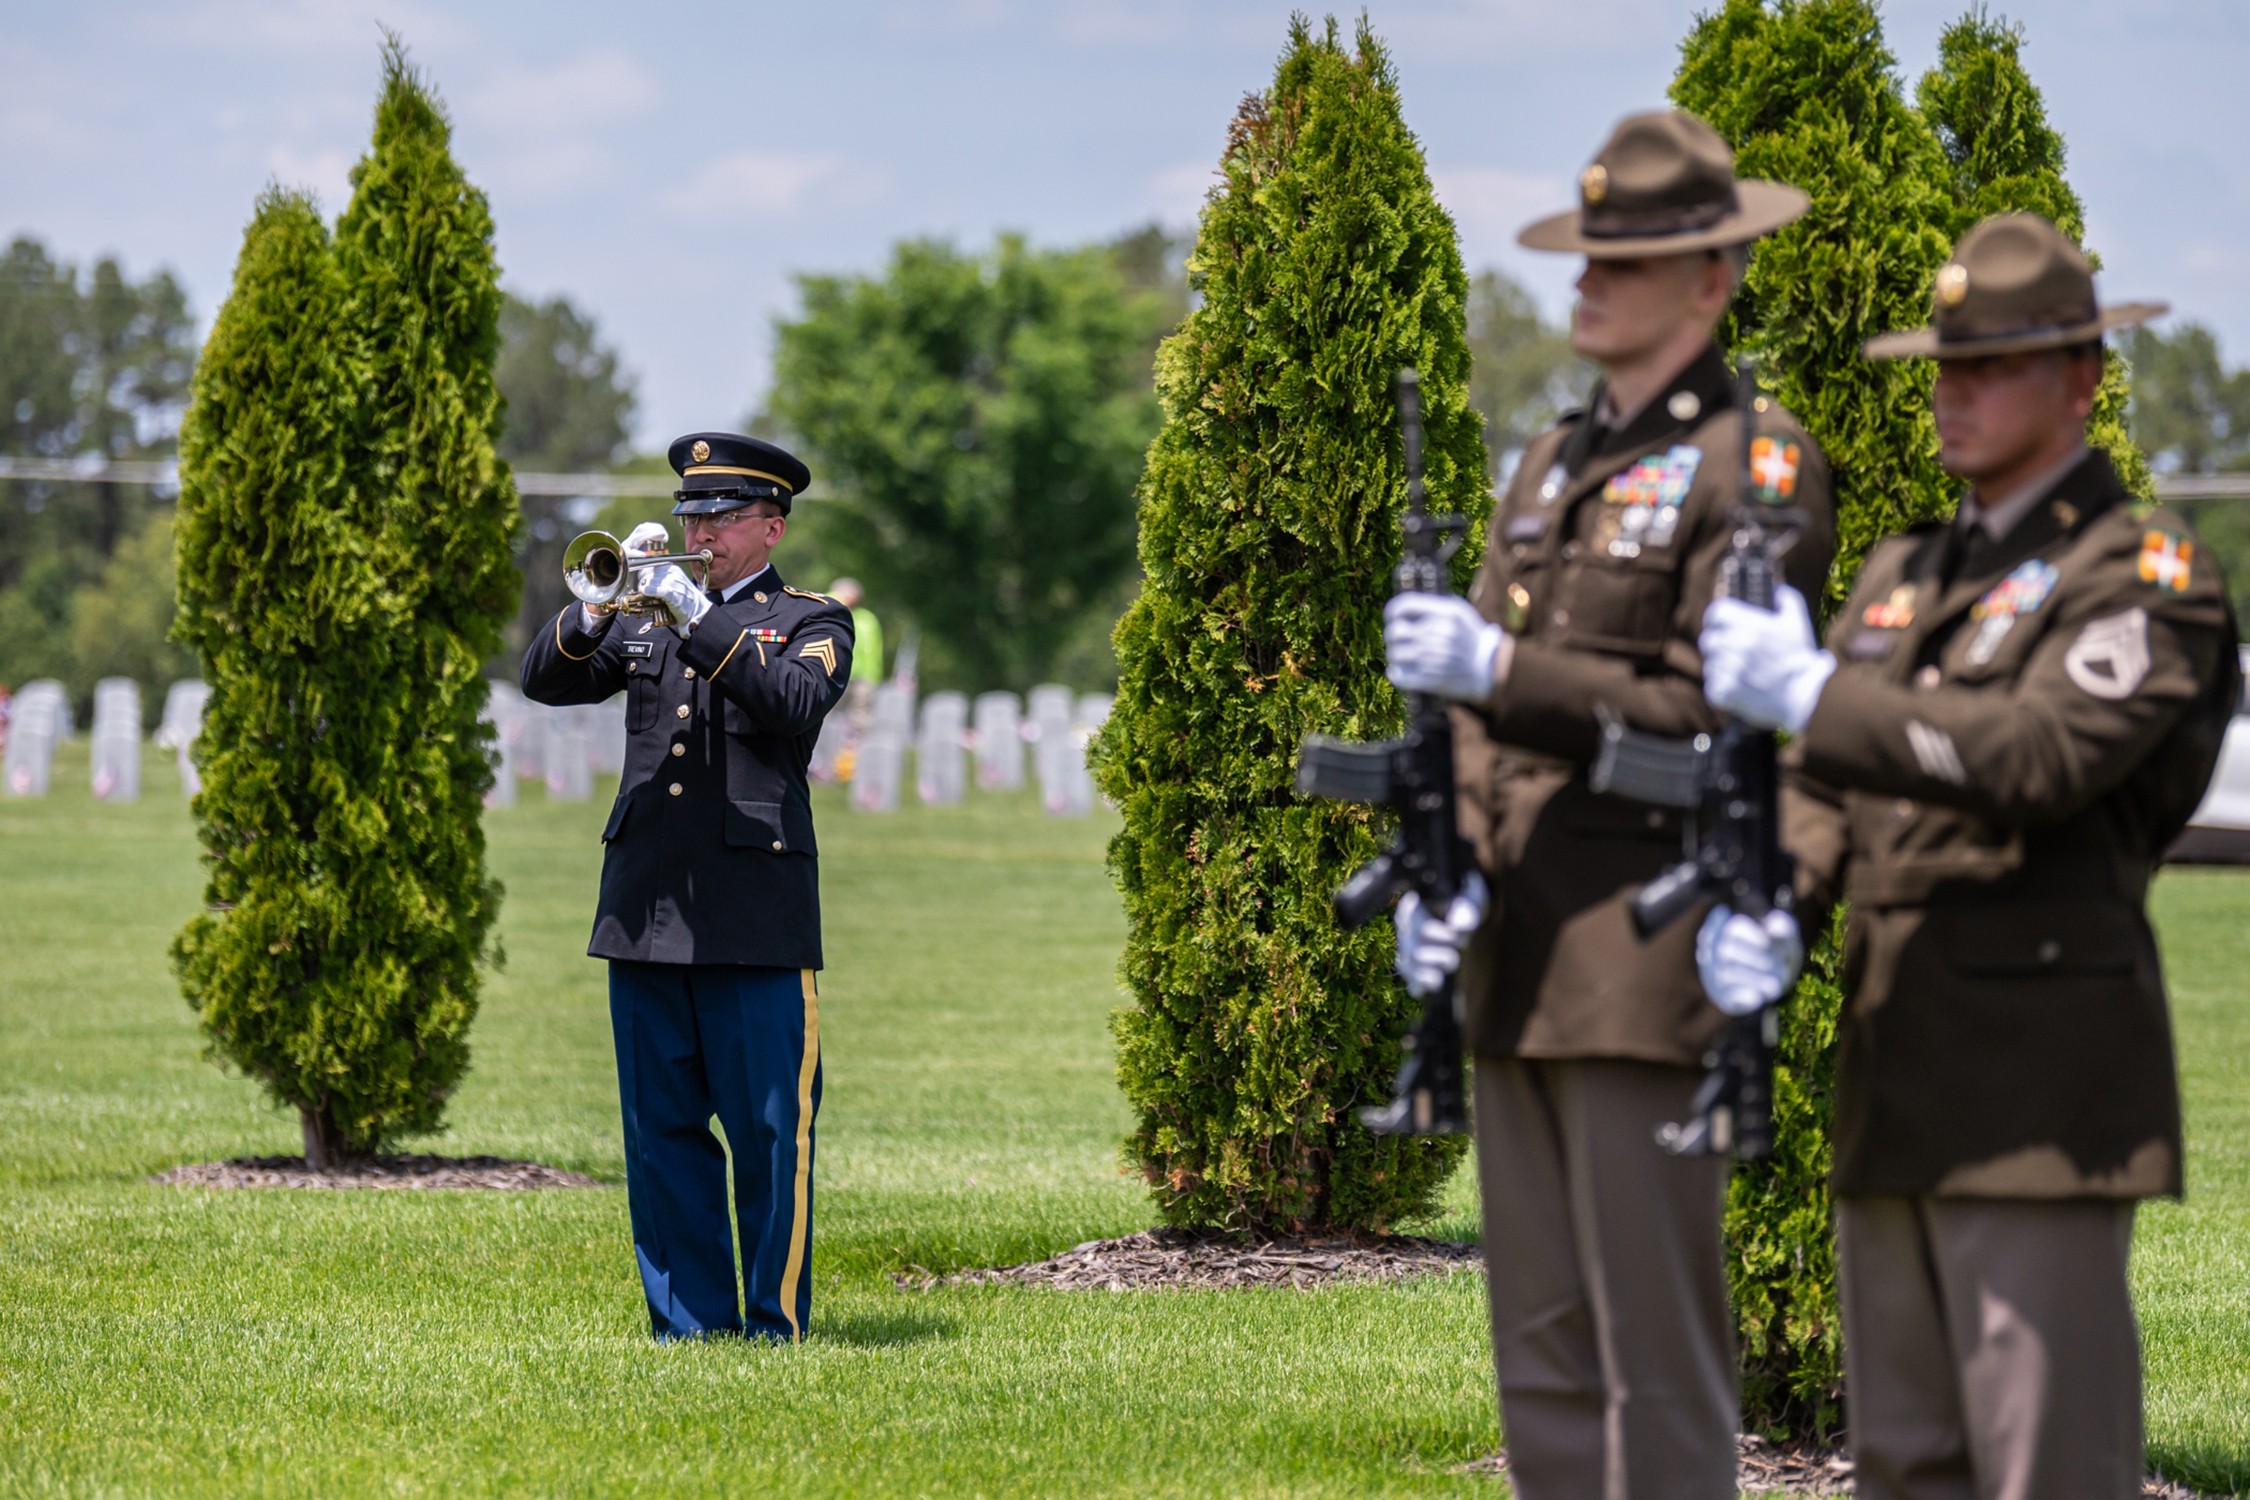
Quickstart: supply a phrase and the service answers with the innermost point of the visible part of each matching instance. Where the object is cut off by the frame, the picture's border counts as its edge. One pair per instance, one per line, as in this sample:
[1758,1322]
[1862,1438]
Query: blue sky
[670,165]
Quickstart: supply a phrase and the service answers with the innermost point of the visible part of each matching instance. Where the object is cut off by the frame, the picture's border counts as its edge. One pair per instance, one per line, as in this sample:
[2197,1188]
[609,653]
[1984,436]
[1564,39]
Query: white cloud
[762,184]
[600,87]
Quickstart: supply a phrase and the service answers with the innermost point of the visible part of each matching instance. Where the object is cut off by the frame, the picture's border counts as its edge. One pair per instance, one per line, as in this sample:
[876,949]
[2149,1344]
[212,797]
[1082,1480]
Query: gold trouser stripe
[565,650]
[793,1269]
[737,646]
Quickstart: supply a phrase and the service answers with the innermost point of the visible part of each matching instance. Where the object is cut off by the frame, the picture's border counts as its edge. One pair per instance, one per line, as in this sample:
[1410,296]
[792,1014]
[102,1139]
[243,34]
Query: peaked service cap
[721,471]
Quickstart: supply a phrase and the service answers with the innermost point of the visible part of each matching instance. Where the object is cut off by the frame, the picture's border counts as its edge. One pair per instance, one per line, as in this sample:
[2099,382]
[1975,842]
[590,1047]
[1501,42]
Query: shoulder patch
[809,594]
[2167,559]
[1773,465]
[2110,657]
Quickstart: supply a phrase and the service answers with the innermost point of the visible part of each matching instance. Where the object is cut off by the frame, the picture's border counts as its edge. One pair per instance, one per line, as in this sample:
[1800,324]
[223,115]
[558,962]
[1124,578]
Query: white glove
[1746,965]
[670,583]
[649,539]
[1763,665]
[1429,948]
[1438,643]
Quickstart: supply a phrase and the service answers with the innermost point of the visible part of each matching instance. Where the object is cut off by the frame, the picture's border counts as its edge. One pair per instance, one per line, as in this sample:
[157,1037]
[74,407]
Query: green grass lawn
[165,1341]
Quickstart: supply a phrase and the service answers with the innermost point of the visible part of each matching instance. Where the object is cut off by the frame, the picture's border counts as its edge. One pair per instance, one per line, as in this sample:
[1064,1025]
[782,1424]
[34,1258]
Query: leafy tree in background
[1522,371]
[569,408]
[1269,525]
[89,367]
[2190,412]
[344,566]
[974,423]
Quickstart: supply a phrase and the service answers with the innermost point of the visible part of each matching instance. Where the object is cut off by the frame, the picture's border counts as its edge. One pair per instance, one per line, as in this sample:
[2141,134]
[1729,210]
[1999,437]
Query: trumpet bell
[594,567]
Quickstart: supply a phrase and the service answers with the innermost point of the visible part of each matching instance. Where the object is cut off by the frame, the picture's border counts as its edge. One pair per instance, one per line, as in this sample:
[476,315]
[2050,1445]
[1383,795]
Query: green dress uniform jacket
[2018,736]
[1602,556]
[709,855]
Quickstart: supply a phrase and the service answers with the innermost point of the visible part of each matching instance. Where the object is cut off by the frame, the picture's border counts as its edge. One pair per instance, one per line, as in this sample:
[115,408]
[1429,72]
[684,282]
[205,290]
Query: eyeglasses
[724,520]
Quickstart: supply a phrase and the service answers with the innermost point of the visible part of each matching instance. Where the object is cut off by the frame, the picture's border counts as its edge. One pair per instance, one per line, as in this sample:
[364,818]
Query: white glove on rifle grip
[669,582]
[1763,665]
[1745,964]
[1430,948]
[1438,643]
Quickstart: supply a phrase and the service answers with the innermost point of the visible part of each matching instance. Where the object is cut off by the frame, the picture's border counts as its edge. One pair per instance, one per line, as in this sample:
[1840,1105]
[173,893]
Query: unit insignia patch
[2165,560]
[1773,465]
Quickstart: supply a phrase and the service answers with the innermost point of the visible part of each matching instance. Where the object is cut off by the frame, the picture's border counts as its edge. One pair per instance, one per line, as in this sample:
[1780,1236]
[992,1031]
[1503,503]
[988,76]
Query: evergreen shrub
[344,564]
[1807,91]
[1269,513]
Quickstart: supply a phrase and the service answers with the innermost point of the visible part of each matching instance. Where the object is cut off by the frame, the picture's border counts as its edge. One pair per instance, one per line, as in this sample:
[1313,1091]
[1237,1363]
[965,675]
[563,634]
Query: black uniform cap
[721,471]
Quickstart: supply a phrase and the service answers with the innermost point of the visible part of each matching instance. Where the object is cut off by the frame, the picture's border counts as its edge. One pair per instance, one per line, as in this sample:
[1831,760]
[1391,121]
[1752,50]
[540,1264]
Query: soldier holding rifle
[2016,713]
[1610,1327]
[710,895]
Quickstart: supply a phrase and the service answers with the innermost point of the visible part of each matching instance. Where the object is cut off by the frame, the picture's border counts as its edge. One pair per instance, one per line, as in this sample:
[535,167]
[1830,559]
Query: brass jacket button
[688,673]
[679,749]
[777,846]
[675,789]
[682,710]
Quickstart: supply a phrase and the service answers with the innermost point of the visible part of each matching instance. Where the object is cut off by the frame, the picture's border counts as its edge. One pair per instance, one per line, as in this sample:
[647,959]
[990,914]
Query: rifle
[1733,783]
[1413,775]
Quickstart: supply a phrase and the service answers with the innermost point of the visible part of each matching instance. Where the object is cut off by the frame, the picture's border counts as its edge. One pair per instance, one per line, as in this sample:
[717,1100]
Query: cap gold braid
[728,469]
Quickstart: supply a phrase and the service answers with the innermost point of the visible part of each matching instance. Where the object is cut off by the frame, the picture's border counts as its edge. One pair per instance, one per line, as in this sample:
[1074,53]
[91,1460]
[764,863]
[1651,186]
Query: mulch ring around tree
[1766,1468]
[1172,1258]
[487,1173]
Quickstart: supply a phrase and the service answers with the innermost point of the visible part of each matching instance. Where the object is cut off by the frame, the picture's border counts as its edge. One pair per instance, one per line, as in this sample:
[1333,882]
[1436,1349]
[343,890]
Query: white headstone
[999,741]
[828,750]
[504,711]
[878,769]
[1053,750]
[894,709]
[117,740]
[940,756]
[184,702]
[567,757]
[1092,712]
[38,720]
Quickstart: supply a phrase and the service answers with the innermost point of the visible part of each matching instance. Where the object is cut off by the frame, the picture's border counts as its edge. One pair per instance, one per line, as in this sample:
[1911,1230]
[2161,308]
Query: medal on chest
[1641,503]
[2020,593]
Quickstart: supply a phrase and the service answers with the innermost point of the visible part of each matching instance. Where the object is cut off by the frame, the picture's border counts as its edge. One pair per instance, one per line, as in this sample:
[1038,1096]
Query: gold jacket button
[1928,678]
[632,666]
[761,598]
[675,789]
[777,846]
[688,673]
[679,749]
[682,710]
[1905,808]
[1561,617]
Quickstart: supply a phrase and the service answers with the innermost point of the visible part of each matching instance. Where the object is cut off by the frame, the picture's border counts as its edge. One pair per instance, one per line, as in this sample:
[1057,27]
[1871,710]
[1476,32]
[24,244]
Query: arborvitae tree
[1269,526]
[345,565]
[1807,91]
[2006,158]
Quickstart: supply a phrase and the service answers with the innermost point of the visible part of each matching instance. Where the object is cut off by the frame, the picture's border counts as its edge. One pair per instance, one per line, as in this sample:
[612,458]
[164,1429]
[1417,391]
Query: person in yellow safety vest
[867,659]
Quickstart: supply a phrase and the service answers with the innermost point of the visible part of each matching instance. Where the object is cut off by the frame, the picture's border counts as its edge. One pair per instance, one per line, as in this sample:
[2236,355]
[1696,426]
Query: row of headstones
[562,747]
[1056,731]
[39,719]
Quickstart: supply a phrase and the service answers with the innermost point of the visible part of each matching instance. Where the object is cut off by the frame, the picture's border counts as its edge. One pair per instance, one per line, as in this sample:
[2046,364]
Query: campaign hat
[721,471]
[1664,184]
[2015,283]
